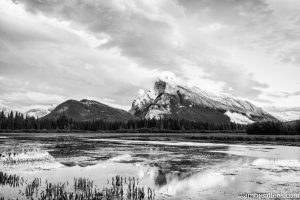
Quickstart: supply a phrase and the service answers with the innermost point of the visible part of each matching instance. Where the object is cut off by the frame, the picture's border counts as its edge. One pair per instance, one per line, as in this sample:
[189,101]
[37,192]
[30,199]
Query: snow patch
[238,118]
[162,108]
[145,98]
[156,114]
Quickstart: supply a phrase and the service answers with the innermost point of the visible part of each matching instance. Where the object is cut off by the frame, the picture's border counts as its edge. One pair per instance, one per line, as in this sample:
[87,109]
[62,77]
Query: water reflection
[175,169]
[160,178]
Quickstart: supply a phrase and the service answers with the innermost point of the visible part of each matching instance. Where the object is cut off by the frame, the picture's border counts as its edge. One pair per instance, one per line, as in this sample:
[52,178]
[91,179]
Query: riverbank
[215,137]
[143,130]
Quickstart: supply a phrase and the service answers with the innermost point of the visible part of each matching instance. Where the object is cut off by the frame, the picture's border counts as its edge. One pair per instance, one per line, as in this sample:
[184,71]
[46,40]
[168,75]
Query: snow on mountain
[7,111]
[238,118]
[286,116]
[36,111]
[39,112]
[170,98]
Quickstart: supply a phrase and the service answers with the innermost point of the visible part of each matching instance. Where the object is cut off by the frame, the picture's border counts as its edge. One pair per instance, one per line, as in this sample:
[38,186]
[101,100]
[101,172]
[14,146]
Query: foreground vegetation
[82,189]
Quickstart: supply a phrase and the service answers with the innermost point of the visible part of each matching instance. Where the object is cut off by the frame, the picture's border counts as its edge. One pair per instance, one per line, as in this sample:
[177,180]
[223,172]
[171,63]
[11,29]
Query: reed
[32,188]
[10,180]
[16,158]
[83,189]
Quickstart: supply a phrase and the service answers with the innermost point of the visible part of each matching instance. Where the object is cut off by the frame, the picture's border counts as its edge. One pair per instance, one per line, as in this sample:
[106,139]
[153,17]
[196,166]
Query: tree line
[17,121]
[274,128]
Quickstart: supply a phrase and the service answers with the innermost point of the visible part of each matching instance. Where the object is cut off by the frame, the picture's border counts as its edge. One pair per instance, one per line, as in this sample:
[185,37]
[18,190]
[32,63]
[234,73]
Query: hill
[88,110]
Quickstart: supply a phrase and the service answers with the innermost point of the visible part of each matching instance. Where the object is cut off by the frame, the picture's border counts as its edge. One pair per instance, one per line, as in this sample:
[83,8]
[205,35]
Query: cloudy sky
[54,50]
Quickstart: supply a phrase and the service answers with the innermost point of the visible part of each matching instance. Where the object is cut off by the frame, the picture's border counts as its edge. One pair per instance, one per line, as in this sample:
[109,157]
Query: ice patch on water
[195,144]
[125,157]
[26,157]
[28,162]
[281,171]
[264,151]
[49,166]
[276,164]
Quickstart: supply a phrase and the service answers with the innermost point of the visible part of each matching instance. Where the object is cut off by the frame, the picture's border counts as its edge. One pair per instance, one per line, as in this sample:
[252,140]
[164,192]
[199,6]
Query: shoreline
[214,137]
[141,131]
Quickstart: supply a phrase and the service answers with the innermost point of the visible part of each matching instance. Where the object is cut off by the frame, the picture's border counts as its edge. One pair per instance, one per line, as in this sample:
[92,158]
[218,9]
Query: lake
[172,166]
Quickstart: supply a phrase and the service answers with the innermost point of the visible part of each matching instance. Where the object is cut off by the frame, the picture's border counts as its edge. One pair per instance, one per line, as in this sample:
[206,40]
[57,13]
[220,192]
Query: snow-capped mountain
[286,116]
[39,111]
[6,111]
[169,99]
[36,111]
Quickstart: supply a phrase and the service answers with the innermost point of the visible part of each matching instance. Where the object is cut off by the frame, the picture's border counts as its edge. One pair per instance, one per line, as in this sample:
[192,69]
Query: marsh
[175,167]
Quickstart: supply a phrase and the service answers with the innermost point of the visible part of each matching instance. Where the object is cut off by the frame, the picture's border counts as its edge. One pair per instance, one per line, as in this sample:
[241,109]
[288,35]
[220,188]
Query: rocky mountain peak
[170,99]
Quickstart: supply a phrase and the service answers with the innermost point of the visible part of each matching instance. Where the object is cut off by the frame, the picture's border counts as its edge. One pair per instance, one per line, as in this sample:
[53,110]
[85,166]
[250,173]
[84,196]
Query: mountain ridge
[168,99]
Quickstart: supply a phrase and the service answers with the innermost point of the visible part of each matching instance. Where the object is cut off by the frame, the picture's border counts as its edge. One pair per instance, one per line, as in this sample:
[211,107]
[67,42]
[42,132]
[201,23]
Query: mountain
[39,111]
[36,111]
[87,110]
[6,111]
[286,116]
[169,99]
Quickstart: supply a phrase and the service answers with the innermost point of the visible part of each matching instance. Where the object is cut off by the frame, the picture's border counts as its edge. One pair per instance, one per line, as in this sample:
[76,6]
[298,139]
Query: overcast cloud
[54,50]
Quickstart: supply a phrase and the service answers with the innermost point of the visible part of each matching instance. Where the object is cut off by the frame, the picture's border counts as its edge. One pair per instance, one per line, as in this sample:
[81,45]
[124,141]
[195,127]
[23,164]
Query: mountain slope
[87,110]
[171,100]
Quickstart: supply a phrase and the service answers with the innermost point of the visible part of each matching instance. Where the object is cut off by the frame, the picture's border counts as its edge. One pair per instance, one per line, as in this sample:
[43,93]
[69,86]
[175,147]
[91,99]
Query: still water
[175,167]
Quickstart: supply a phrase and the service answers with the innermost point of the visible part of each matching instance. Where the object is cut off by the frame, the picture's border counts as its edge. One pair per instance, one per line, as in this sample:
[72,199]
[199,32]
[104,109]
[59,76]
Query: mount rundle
[168,99]
[171,100]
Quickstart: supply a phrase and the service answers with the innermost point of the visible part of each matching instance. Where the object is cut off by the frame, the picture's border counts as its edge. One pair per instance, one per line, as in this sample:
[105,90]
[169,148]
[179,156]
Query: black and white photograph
[149,99]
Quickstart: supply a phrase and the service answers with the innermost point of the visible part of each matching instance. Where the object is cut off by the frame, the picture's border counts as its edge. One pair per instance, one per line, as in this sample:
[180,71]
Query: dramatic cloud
[115,49]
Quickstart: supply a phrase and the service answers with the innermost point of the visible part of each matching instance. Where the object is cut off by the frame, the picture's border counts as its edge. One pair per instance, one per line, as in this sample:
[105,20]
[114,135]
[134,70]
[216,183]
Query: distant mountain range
[167,99]
[39,112]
